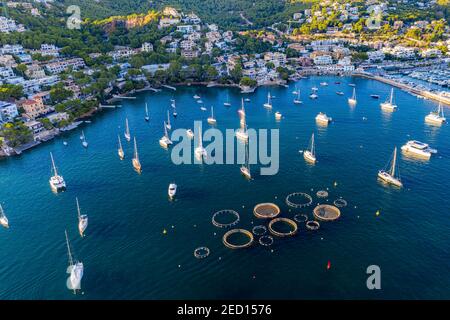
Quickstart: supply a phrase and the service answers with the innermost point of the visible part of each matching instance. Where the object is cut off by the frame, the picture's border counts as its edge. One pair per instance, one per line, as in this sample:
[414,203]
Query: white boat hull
[4,222]
[309,157]
[121,154]
[435,120]
[409,151]
[246,173]
[242,135]
[57,184]
[137,165]
[387,178]
[82,224]
[388,106]
[76,274]
[212,121]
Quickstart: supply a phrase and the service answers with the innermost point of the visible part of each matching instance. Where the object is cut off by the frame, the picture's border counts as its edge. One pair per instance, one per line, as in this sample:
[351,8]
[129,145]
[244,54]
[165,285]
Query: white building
[49,50]
[6,72]
[323,60]
[9,25]
[375,56]
[12,49]
[147,47]
[8,111]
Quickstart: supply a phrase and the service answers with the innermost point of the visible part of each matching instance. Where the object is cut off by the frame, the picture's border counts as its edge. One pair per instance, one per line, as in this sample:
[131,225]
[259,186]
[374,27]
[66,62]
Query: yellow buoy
[377,213]
[335,183]
[164,231]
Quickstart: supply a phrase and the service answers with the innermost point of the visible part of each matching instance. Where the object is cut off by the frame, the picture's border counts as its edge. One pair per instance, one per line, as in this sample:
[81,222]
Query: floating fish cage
[201,252]
[287,221]
[301,218]
[298,200]
[259,230]
[312,225]
[340,203]
[266,241]
[326,212]
[266,210]
[322,194]
[230,245]
[234,215]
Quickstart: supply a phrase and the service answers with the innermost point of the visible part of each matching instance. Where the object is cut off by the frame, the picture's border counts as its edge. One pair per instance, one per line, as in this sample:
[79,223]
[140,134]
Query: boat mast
[120,143]
[127,129]
[394,161]
[53,164]
[168,118]
[212,112]
[247,160]
[136,156]
[312,144]
[268,98]
[200,143]
[68,249]
[392,96]
[242,104]
[78,208]
[165,130]
[146,109]
[1,211]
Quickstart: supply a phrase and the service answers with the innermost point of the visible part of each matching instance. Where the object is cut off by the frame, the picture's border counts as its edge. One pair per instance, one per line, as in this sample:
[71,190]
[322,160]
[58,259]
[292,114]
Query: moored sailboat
[389,104]
[211,119]
[75,269]
[127,131]
[84,142]
[245,168]
[168,125]
[136,163]
[268,104]
[297,99]
[241,111]
[310,154]
[352,100]
[391,176]
[200,152]
[120,149]
[56,181]
[147,117]
[165,142]
[3,219]
[82,220]
[227,103]
[436,117]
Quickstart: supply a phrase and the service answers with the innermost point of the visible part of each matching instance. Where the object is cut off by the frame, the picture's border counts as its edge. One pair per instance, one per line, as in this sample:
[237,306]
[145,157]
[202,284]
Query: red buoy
[328,265]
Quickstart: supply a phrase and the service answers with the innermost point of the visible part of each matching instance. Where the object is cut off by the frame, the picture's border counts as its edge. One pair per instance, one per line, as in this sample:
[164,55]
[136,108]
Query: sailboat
[127,131]
[245,168]
[200,152]
[242,133]
[196,97]
[165,142]
[389,104]
[84,142]
[82,220]
[310,154]
[174,106]
[147,117]
[172,191]
[136,163]
[268,104]
[241,111]
[168,125]
[57,182]
[227,103]
[212,120]
[295,91]
[297,99]
[120,149]
[391,176]
[436,117]
[313,94]
[3,219]
[278,115]
[352,100]
[75,269]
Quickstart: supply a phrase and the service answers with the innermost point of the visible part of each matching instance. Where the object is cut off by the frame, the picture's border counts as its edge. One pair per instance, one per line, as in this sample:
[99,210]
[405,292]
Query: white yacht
[314,89]
[268,104]
[310,154]
[322,118]
[241,111]
[200,152]
[135,161]
[84,142]
[165,142]
[324,84]
[127,131]
[75,269]
[211,119]
[352,100]
[172,190]
[82,220]
[168,125]
[278,115]
[391,176]
[190,134]
[200,101]
[120,149]
[389,104]
[417,148]
[436,117]
[196,97]
[247,99]
[295,91]
[57,182]
[313,95]
[3,219]
[242,133]
[147,117]
[245,168]
[203,108]
[297,99]
[65,143]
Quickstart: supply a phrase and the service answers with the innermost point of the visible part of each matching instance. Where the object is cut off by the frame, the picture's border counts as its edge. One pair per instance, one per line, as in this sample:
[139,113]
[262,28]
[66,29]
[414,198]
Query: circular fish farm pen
[340,203]
[259,230]
[312,225]
[301,218]
[266,210]
[201,252]
[322,194]
[238,239]
[326,212]
[225,218]
[285,232]
[299,200]
[266,241]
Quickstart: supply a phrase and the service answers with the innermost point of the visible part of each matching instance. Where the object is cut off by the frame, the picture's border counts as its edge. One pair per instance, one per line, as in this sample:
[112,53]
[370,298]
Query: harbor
[173,245]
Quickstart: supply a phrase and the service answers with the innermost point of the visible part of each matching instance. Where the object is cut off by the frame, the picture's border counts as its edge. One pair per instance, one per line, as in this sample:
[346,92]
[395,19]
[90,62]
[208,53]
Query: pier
[169,87]
[422,93]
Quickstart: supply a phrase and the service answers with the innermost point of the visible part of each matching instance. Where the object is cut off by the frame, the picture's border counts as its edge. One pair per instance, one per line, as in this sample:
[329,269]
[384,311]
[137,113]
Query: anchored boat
[3,219]
[165,142]
[391,176]
[168,125]
[127,131]
[241,111]
[417,148]
[82,220]
[436,117]
[389,104]
[136,163]
[297,99]
[352,100]
[84,142]
[200,152]
[245,168]
[75,269]
[322,118]
[268,104]
[57,182]
[189,134]
[120,149]
[310,154]
[172,190]
[147,117]
[227,103]
[211,119]
[278,115]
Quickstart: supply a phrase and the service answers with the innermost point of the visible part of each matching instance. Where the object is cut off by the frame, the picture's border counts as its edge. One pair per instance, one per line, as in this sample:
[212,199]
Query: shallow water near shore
[127,255]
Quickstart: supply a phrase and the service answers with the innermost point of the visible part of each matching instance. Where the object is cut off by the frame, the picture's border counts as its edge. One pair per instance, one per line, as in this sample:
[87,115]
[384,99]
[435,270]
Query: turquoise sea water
[127,256]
